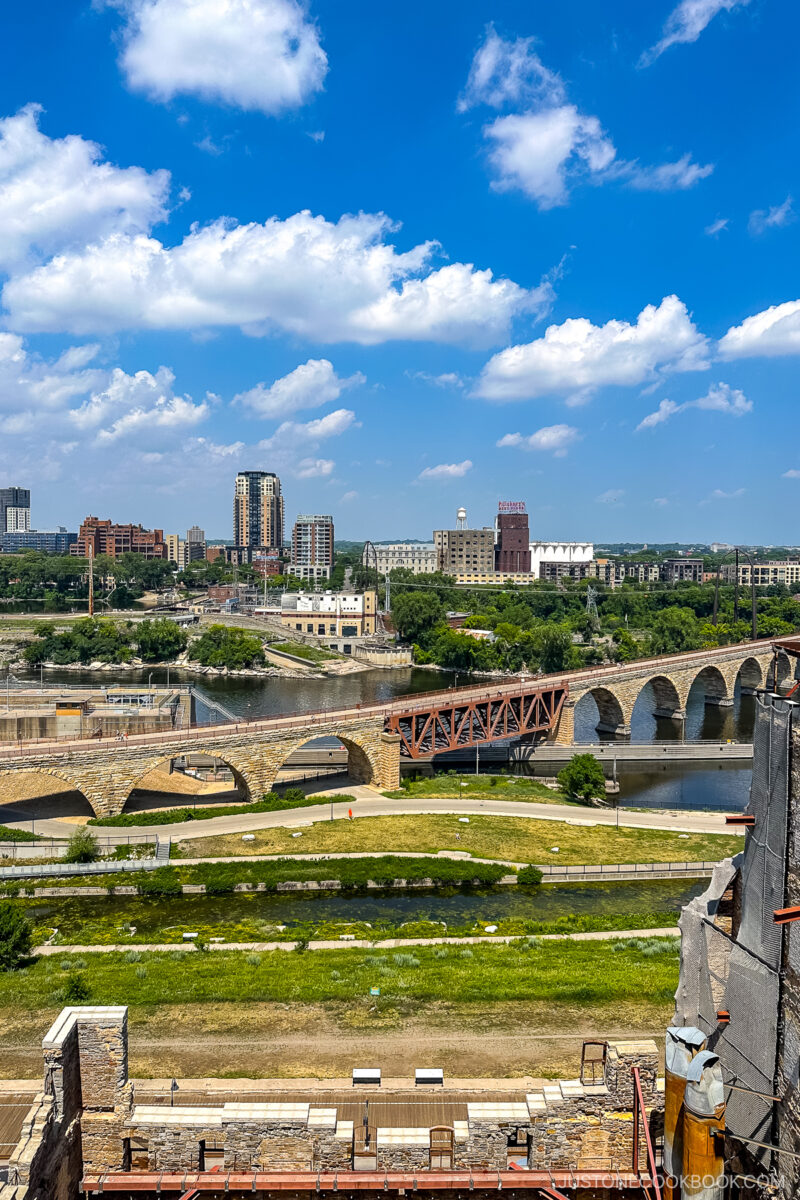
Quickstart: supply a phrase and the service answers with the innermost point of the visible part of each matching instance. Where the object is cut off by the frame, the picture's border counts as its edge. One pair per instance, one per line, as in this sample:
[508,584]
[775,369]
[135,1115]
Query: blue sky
[408,256]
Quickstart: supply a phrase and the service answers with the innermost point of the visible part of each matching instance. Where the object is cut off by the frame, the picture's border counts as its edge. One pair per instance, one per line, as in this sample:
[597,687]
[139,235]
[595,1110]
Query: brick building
[104,537]
[512,545]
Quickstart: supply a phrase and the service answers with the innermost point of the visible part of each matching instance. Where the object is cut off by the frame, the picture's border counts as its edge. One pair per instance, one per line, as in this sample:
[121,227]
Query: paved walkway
[370,803]
[347,943]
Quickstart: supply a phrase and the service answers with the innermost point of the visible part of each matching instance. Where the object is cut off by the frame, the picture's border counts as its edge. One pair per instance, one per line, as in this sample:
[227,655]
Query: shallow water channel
[246,917]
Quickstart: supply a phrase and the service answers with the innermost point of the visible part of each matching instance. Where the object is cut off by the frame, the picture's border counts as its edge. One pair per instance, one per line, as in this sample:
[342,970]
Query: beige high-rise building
[258,510]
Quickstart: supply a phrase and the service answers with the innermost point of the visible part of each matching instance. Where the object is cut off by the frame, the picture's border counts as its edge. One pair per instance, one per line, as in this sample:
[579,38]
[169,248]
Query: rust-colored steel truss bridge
[466,720]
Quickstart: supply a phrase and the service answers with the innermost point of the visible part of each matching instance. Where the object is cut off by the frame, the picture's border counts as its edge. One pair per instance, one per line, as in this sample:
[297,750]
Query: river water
[242,916]
[675,785]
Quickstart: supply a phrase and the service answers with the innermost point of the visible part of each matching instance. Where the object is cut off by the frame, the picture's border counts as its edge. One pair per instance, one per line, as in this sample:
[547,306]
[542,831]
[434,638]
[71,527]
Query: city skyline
[567,273]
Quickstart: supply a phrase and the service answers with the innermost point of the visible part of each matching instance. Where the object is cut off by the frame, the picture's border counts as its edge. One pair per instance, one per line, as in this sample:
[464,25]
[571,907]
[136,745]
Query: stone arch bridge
[377,736]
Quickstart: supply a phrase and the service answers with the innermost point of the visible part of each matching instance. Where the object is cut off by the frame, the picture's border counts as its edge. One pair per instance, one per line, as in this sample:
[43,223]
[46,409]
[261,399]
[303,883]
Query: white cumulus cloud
[720,397]
[303,275]
[553,438]
[576,357]
[257,55]
[310,385]
[447,470]
[536,152]
[59,193]
[685,24]
[505,71]
[547,145]
[771,333]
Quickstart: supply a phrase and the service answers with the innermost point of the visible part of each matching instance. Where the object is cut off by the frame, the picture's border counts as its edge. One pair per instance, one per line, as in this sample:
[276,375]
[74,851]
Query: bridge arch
[362,757]
[612,716]
[750,676]
[169,784]
[662,695]
[41,792]
[781,672]
[714,686]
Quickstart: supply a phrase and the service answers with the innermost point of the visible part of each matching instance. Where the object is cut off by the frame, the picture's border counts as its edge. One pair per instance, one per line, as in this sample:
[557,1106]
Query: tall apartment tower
[512,550]
[15,509]
[258,510]
[312,547]
[195,544]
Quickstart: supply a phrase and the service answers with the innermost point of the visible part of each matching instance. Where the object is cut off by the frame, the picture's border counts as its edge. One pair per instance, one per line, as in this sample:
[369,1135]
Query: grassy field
[515,839]
[481,787]
[299,650]
[571,973]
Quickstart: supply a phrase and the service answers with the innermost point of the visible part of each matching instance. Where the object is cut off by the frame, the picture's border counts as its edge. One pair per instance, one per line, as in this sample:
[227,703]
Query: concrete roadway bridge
[378,735]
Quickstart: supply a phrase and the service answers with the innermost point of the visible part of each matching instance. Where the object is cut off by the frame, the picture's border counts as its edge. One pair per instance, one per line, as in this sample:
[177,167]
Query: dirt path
[504,1040]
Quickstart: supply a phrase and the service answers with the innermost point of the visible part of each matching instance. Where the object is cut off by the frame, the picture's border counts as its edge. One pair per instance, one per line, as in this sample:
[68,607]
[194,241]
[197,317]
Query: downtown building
[102,536]
[15,510]
[417,557]
[258,517]
[183,551]
[312,547]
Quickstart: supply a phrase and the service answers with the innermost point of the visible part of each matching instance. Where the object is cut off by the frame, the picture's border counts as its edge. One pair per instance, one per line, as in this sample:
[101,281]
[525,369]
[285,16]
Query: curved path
[368,803]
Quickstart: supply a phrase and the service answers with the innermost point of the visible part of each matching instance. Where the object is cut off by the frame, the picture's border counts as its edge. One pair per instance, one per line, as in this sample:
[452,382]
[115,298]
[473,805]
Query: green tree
[675,630]
[82,847]
[416,613]
[555,648]
[15,935]
[220,646]
[160,640]
[582,778]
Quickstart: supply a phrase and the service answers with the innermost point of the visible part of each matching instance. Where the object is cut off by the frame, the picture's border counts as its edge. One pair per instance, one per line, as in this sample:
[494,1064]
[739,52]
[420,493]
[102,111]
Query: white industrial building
[559,552]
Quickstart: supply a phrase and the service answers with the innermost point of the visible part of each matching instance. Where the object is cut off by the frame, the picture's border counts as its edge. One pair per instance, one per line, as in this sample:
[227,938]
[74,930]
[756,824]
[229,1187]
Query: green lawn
[578,975]
[515,839]
[480,787]
[300,650]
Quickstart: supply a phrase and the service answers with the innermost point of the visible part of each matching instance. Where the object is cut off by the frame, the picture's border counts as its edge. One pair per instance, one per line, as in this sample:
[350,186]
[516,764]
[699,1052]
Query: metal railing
[615,869]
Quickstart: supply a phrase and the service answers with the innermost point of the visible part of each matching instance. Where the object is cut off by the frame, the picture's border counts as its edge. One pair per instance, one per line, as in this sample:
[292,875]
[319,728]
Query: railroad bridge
[378,736]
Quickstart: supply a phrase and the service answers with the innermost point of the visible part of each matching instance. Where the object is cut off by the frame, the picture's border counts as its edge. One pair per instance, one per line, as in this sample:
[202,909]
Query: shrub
[15,936]
[466,954]
[582,778]
[82,847]
[77,990]
[405,960]
[133,956]
[164,881]
[253,959]
[529,876]
[141,972]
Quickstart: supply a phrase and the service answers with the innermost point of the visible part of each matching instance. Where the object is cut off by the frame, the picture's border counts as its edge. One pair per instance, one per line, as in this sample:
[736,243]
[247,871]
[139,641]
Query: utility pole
[91,579]
[736,591]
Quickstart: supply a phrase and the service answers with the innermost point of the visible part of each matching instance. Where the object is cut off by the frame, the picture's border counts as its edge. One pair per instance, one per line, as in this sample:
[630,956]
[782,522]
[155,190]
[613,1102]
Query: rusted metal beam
[746,819]
[782,916]
[640,1115]
[549,1183]
[457,724]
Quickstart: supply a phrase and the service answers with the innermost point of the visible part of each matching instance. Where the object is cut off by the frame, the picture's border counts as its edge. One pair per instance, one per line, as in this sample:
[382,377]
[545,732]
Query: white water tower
[461,518]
